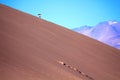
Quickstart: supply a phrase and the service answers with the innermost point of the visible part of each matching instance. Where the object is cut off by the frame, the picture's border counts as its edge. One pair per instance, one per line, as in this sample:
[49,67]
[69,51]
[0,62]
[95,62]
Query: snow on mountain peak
[107,32]
[112,22]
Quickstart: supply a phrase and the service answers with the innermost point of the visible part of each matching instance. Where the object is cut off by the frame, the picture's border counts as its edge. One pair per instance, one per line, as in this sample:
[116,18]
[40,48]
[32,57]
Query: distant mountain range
[107,32]
[32,48]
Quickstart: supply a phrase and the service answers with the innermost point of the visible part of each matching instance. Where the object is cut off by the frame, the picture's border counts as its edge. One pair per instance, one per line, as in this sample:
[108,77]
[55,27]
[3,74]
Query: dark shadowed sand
[34,49]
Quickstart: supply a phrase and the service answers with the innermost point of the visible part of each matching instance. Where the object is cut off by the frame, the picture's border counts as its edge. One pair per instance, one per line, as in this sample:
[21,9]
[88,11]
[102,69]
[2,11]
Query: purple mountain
[107,32]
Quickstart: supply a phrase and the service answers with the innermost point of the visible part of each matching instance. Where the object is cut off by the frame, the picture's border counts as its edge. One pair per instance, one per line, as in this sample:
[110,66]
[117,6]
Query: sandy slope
[30,49]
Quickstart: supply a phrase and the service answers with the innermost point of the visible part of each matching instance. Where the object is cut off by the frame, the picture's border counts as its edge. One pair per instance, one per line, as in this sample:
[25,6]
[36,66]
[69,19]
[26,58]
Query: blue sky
[70,13]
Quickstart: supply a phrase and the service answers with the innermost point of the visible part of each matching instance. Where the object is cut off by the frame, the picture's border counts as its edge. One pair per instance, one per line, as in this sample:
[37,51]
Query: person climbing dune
[61,62]
[39,15]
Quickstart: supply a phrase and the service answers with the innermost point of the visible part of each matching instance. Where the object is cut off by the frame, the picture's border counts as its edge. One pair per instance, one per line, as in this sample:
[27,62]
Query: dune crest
[30,49]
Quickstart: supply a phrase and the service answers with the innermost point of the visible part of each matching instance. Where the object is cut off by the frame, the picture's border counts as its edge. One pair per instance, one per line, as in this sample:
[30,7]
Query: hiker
[39,15]
[61,62]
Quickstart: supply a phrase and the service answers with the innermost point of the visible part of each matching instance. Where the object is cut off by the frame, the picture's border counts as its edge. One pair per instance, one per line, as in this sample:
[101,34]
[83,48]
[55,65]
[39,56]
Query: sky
[70,13]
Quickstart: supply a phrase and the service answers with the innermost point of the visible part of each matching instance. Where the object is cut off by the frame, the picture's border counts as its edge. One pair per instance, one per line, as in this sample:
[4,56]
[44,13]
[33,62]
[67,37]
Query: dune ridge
[30,49]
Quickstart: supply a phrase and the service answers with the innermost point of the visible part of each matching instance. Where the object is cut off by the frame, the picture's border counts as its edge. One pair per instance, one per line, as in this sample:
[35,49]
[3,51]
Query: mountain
[32,48]
[107,32]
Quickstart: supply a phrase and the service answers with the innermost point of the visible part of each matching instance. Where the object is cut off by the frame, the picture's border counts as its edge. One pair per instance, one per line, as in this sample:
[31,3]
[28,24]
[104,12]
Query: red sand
[35,49]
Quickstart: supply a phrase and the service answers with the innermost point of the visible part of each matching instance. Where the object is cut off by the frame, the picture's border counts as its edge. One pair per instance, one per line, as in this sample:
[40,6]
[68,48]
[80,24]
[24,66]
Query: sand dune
[35,49]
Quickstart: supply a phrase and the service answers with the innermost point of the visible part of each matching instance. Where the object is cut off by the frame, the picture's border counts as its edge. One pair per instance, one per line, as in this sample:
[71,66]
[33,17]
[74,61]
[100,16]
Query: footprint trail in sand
[75,69]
